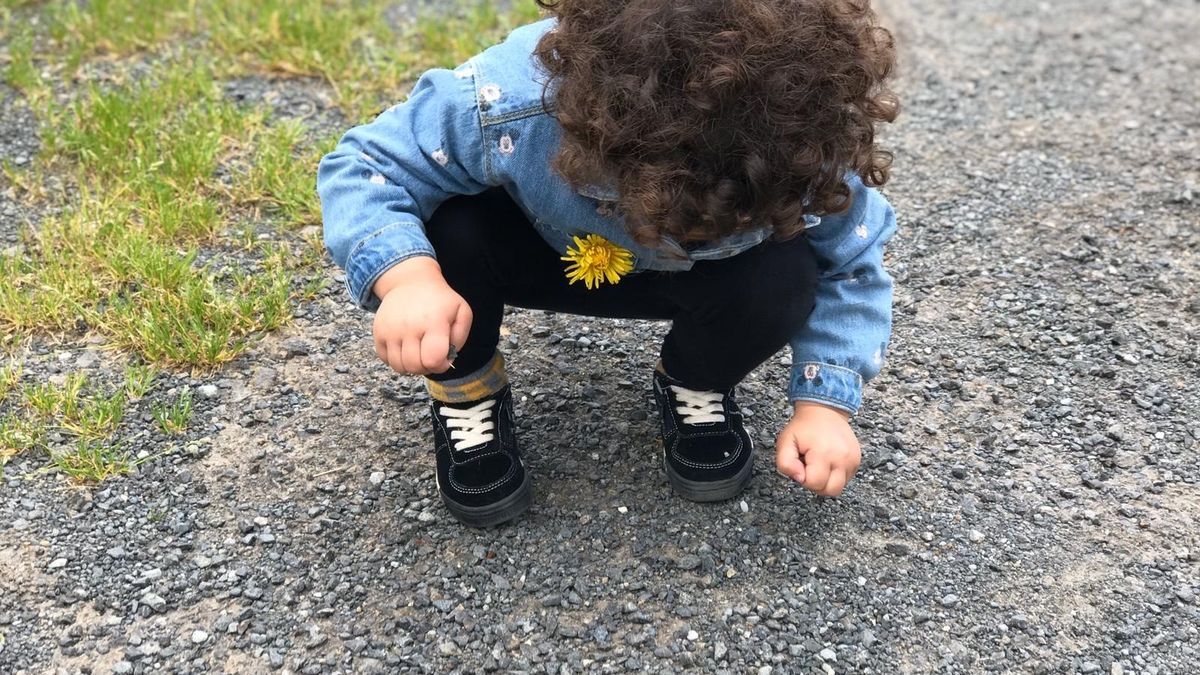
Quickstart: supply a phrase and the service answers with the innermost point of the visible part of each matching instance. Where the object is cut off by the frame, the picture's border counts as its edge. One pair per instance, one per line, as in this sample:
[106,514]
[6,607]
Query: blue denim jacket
[485,124]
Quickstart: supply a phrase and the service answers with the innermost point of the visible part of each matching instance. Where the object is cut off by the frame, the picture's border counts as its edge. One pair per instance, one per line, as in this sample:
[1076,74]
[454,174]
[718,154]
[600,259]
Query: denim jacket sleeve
[845,339]
[384,179]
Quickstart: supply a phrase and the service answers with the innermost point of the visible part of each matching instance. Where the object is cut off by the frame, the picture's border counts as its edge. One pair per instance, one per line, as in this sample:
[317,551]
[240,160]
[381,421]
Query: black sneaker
[707,453]
[479,471]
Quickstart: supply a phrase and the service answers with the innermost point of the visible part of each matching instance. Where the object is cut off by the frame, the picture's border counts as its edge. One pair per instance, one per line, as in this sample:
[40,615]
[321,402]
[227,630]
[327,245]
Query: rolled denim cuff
[377,253]
[827,384]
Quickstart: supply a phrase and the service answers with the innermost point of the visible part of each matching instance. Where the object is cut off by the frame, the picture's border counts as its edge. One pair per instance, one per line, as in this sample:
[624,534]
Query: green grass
[87,414]
[138,381]
[92,461]
[18,435]
[150,170]
[270,180]
[10,377]
[116,26]
[21,71]
[173,418]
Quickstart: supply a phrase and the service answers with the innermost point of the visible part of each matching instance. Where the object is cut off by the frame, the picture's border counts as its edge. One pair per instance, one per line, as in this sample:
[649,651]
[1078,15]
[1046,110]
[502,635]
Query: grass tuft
[173,418]
[66,406]
[10,378]
[18,435]
[138,381]
[22,72]
[280,177]
[92,461]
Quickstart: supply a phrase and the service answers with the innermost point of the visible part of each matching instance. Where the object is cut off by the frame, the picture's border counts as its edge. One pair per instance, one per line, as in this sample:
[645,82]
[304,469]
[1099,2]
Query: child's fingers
[461,327]
[411,356]
[787,458]
[434,348]
[395,356]
[381,351]
[816,475]
[837,483]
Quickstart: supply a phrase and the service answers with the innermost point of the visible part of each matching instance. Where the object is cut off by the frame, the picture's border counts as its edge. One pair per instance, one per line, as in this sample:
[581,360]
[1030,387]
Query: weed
[138,380]
[53,402]
[92,461]
[18,435]
[173,419]
[67,407]
[98,417]
[10,377]
[22,72]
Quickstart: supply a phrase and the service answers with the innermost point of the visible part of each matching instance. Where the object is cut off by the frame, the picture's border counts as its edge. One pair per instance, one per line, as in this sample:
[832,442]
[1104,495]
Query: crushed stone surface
[1029,495]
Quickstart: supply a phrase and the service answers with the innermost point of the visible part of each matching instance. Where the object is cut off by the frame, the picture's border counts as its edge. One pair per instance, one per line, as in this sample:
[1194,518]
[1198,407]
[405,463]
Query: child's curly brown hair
[718,116]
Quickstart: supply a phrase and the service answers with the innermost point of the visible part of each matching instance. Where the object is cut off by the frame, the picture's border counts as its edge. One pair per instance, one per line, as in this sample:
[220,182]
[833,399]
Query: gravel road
[1028,501]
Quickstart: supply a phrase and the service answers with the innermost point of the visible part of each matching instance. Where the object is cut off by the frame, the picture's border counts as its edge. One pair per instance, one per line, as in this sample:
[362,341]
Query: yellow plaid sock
[480,384]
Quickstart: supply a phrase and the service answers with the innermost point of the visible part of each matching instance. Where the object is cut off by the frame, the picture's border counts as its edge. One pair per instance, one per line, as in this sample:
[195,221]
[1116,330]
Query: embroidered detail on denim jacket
[811,371]
[490,93]
[506,145]
[440,157]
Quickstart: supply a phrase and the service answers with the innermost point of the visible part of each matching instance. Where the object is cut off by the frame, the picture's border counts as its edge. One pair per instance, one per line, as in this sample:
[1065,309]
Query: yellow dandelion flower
[595,260]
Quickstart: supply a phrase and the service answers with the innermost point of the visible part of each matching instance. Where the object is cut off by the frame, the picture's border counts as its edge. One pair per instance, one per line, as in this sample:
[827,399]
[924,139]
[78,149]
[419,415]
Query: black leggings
[728,316]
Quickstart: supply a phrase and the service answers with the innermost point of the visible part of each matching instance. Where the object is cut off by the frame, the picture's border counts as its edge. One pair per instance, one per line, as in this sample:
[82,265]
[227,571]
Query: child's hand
[419,317]
[818,449]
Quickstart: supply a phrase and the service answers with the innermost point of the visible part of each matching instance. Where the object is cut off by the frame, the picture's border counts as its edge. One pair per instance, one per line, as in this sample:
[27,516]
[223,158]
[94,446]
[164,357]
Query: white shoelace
[471,426]
[699,407]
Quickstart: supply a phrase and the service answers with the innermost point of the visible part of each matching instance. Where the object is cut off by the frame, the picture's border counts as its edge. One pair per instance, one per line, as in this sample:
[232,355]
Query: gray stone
[154,601]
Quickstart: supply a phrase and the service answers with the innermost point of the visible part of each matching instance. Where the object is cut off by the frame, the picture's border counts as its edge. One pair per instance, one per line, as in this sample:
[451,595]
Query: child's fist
[818,449]
[419,317]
